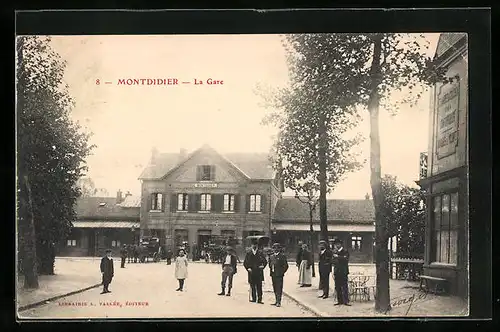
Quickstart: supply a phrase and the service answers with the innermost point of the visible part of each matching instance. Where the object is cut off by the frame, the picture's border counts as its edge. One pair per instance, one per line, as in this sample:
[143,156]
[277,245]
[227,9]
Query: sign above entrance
[205,185]
[447,119]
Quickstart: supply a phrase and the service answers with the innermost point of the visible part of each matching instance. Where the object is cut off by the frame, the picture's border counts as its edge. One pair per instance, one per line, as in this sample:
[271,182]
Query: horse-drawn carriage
[216,249]
[149,247]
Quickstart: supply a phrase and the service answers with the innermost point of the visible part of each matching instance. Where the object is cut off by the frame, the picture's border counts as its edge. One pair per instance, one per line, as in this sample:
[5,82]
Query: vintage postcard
[238,175]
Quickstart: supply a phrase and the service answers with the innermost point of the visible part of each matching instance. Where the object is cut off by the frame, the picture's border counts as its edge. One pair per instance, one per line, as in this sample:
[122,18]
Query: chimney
[128,194]
[367,196]
[119,197]
[154,155]
[182,154]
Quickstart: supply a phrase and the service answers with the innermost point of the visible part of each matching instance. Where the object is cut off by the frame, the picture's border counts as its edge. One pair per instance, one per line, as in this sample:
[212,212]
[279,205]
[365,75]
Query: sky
[128,121]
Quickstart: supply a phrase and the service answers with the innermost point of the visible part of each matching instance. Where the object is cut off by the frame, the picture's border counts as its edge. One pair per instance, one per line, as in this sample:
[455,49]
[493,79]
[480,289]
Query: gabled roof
[102,208]
[338,210]
[446,41]
[255,166]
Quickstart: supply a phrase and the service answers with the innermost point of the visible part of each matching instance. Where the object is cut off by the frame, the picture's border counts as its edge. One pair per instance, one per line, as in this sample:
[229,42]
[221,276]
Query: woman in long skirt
[305,270]
[181,271]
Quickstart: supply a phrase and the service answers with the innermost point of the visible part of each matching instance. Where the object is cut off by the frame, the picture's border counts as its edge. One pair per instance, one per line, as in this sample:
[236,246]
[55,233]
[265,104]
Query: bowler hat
[108,250]
[337,240]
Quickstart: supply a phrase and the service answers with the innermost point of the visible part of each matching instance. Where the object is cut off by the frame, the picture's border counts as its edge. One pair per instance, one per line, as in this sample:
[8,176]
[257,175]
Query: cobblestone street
[148,291]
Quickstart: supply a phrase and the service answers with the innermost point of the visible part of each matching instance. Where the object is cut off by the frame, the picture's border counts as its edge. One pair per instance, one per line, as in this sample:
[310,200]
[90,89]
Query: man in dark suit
[298,258]
[107,271]
[229,269]
[123,255]
[278,265]
[341,272]
[254,263]
[325,268]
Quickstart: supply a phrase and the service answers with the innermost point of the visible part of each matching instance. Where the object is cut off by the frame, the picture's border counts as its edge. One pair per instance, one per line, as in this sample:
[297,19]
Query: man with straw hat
[228,271]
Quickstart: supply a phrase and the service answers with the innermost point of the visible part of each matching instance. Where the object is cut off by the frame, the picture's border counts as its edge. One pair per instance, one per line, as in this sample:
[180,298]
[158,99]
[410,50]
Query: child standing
[181,271]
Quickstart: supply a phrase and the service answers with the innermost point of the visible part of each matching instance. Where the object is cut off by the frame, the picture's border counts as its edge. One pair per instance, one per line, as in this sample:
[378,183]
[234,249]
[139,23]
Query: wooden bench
[440,284]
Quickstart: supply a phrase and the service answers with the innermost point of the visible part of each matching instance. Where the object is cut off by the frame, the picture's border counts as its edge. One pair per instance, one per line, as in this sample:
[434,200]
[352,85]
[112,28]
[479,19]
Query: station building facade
[192,197]
[446,181]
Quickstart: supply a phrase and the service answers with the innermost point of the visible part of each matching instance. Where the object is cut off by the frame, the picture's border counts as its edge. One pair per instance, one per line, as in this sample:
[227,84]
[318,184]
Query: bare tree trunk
[382,302]
[311,235]
[323,218]
[30,259]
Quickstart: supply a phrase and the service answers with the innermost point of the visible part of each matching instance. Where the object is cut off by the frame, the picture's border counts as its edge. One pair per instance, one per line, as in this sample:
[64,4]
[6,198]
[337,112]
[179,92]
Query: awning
[106,224]
[331,228]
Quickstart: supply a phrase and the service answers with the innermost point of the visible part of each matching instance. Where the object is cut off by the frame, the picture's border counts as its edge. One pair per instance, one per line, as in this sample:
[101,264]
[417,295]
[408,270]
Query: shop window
[445,228]
[115,244]
[255,203]
[228,203]
[206,202]
[182,202]
[356,243]
[156,202]
[71,243]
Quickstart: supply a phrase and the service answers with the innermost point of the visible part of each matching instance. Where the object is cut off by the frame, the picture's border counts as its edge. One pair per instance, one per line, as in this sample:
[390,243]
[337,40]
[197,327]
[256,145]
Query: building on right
[446,178]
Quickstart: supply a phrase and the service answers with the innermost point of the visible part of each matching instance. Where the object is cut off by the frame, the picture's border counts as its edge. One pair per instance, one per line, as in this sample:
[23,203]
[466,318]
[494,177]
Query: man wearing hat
[325,268]
[228,271]
[107,271]
[340,272]
[254,263]
[278,266]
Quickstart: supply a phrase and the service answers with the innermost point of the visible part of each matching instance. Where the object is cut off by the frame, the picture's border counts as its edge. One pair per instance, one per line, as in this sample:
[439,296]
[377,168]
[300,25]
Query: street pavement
[149,291]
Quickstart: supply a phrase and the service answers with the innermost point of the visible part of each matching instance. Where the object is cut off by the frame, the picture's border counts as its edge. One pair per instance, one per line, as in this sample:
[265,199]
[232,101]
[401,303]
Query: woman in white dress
[181,271]
[305,271]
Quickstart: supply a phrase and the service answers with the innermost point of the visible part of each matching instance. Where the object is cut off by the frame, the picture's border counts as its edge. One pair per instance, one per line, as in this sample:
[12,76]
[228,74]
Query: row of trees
[332,78]
[51,152]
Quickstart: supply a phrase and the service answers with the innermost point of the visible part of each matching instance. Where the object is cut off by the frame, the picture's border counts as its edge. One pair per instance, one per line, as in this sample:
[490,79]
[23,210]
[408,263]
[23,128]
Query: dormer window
[205,173]
[102,204]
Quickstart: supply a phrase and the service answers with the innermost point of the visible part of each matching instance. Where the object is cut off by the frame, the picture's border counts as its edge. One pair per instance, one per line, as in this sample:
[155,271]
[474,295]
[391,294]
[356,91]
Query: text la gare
[210,81]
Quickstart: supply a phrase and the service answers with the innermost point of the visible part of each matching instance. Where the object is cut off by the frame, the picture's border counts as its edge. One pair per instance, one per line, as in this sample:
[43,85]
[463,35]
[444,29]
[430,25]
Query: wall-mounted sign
[205,185]
[423,165]
[447,119]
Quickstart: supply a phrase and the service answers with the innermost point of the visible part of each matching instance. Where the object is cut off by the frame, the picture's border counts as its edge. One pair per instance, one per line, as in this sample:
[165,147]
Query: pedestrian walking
[325,268]
[229,269]
[254,263]
[169,255]
[278,266]
[181,271]
[107,271]
[305,271]
[123,255]
[341,272]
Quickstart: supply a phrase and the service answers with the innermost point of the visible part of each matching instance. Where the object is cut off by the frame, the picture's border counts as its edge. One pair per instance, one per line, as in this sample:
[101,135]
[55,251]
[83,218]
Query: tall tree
[343,71]
[87,187]
[51,149]
[405,211]
[313,118]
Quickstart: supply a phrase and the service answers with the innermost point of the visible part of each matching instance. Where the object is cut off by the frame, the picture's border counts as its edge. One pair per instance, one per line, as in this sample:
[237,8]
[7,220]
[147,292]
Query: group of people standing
[336,259]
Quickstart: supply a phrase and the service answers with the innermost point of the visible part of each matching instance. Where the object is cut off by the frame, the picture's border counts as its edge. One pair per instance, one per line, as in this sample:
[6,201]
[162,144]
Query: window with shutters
[182,202]
[205,202]
[156,202]
[228,203]
[445,228]
[255,203]
[206,173]
[115,244]
[71,243]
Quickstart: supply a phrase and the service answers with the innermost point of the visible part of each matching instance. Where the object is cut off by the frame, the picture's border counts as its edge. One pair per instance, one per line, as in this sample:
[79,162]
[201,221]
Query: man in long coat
[341,272]
[254,263]
[107,271]
[325,268]
[123,255]
[278,266]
